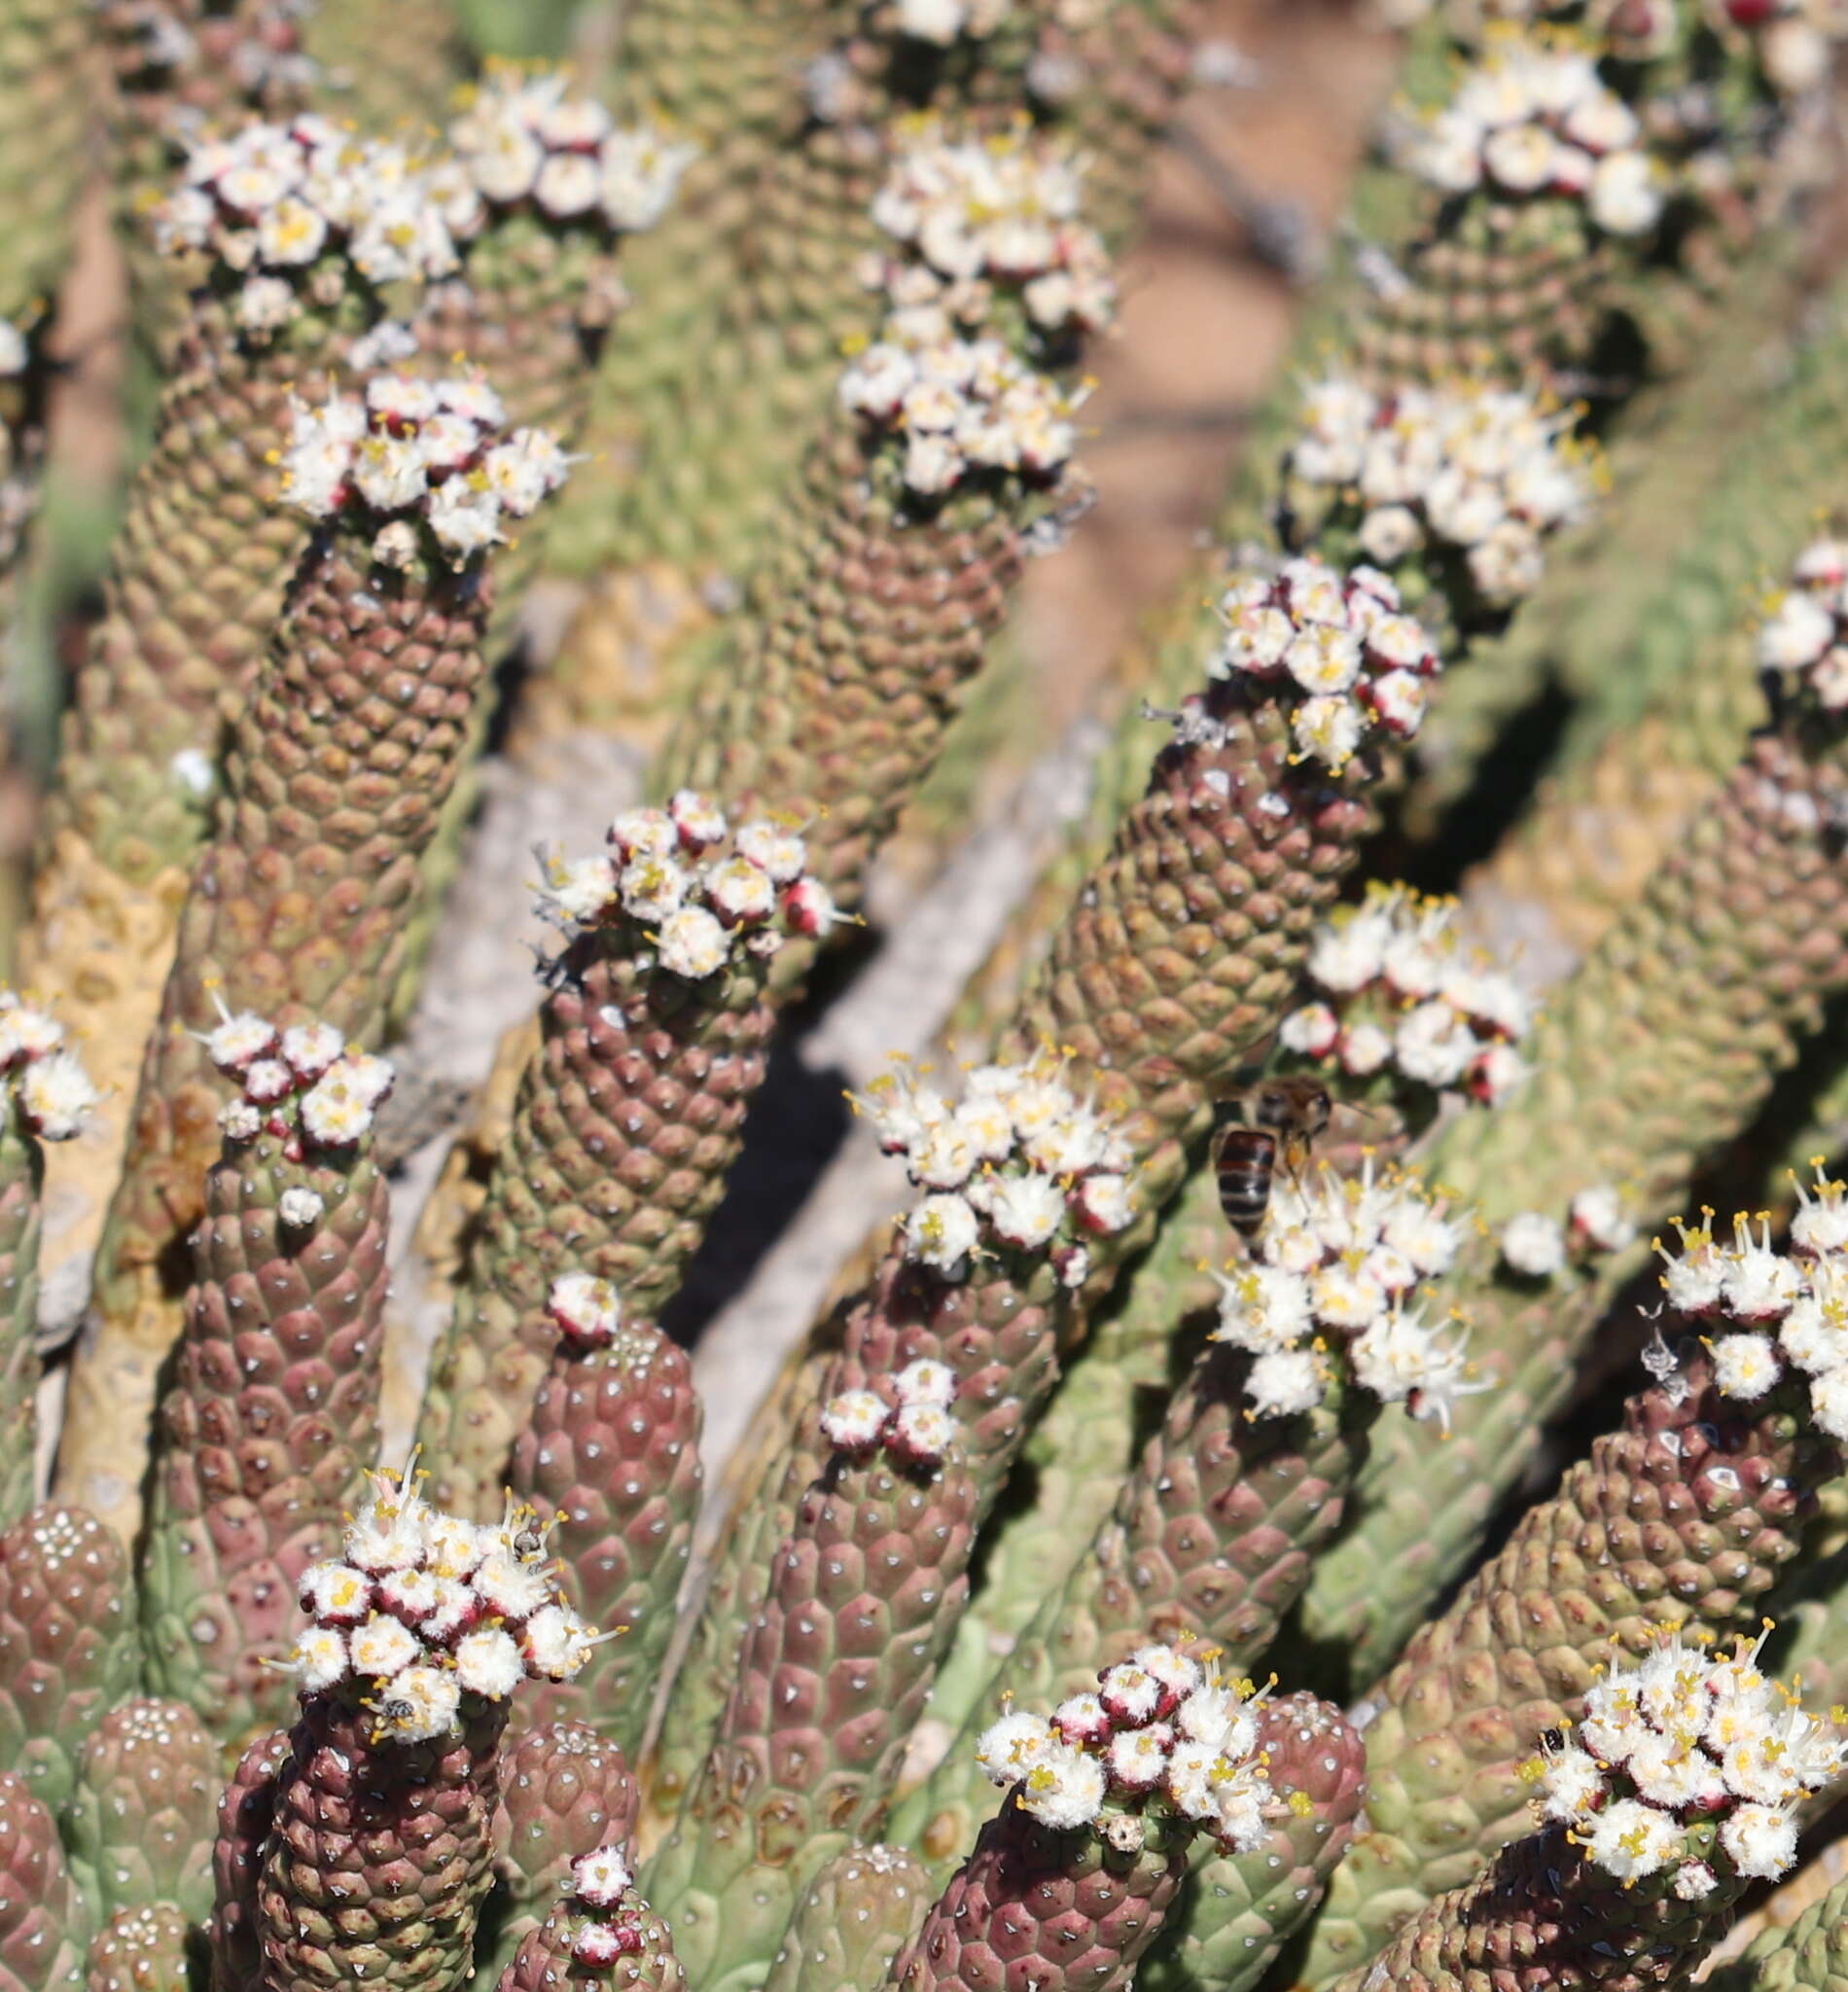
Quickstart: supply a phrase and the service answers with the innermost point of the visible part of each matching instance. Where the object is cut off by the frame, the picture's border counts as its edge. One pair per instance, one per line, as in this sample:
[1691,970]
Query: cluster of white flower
[1780,1309]
[1683,1737]
[665,871]
[606,1923]
[1018,1163]
[424,1608]
[1537,1246]
[1485,470]
[1805,635]
[429,451]
[1339,646]
[944,21]
[1335,1277]
[1160,1730]
[982,214]
[1532,116]
[301,1080]
[964,405]
[50,1084]
[523,136]
[910,1418]
[1396,991]
[271,201]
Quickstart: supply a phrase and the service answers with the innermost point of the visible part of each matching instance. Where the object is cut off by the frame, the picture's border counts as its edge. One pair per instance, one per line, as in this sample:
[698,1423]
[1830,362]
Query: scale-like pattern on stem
[1212,1534]
[335,779]
[44,123]
[142,1950]
[1657,1050]
[611,1447]
[67,1649]
[271,1419]
[42,1915]
[564,1791]
[1060,1909]
[1683,1517]
[628,1114]
[1810,1955]
[860,1911]
[834,1676]
[1176,956]
[246,1811]
[141,1822]
[1544,1916]
[861,624]
[1239,1910]
[378,1856]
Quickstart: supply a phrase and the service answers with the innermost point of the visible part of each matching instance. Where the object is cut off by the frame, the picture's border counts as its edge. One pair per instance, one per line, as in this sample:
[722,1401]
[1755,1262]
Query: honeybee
[1276,1120]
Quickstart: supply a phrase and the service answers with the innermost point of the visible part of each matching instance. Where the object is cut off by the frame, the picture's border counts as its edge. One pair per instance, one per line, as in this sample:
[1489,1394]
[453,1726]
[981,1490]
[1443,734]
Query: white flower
[580,889]
[1694,1881]
[1263,1308]
[1521,157]
[855,1419]
[466,521]
[569,184]
[1065,1788]
[1820,1227]
[1829,1402]
[1024,1210]
[381,1648]
[1758,1284]
[319,1658]
[1329,729]
[555,1642]
[942,1233]
[334,1593]
[301,1207]
[389,473]
[1533,1244]
[1309,1031]
[266,305]
[239,1042]
[1433,1045]
[510,1586]
[1599,1216]
[1285,1382]
[1573,1783]
[503,156]
[1008,1749]
[1745,1365]
[640,173]
[921,1434]
[335,1110]
[1760,1840]
[601,1878]
[1626,197]
[1387,533]
[1630,1839]
[1344,1297]
[693,943]
[1103,1204]
[419,1704]
[926,1381]
[488,1663]
[777,852]
[586,1306]
[58,1095]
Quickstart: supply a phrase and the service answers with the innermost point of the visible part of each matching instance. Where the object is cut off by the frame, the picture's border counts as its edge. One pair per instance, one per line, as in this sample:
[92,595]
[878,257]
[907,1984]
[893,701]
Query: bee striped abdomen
[1245,1161]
